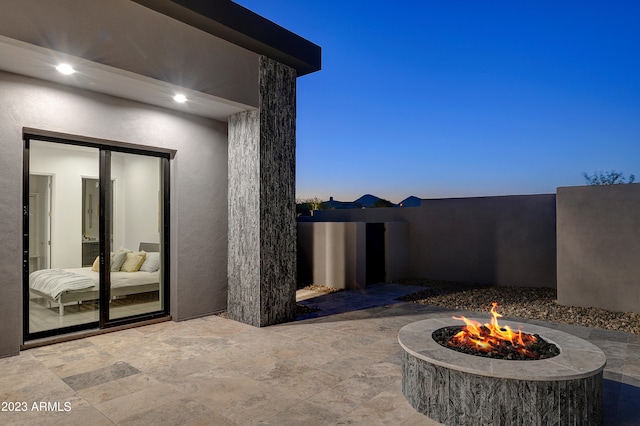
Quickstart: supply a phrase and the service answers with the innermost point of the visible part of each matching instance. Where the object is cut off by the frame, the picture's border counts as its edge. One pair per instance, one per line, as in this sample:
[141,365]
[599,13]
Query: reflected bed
[76,285]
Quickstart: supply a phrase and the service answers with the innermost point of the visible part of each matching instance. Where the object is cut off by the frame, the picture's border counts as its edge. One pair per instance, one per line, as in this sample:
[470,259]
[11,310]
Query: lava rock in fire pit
[541,349]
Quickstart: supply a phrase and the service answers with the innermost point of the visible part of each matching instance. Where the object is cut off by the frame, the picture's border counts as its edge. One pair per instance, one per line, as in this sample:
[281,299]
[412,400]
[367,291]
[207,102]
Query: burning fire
[492,337]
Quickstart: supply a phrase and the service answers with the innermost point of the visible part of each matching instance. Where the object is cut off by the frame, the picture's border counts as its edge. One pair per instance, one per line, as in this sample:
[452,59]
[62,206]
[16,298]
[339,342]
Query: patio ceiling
[37,62]
[124,49]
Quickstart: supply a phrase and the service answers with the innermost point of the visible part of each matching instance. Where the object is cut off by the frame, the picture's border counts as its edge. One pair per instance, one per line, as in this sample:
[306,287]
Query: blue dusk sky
[456,98]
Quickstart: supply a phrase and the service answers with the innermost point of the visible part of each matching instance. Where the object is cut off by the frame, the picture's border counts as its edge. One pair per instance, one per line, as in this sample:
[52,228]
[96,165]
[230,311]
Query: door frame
[105,147]
[45,208]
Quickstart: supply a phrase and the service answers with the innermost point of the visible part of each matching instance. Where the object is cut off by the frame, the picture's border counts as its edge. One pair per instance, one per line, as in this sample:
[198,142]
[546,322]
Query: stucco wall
[198,189]
[396,249]
[599,247]
[508,240]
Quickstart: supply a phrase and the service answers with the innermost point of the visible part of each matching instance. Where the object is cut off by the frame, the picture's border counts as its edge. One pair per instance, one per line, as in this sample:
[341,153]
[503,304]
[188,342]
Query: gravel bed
[522,302]
[322,289]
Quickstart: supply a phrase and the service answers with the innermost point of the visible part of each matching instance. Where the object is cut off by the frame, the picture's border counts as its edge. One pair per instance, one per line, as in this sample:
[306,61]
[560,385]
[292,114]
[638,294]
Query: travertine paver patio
[338,366]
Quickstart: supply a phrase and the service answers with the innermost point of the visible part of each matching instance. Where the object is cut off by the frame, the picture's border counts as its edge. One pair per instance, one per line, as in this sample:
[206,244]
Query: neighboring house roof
[333,204]
[238,25]
[410,201]
[369,200]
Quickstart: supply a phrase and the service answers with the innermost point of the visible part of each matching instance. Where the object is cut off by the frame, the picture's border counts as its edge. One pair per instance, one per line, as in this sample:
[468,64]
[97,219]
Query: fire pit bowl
[456,388]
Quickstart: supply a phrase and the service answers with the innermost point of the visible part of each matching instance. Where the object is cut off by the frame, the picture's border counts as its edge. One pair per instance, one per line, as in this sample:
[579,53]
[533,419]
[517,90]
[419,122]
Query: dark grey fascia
[238,25]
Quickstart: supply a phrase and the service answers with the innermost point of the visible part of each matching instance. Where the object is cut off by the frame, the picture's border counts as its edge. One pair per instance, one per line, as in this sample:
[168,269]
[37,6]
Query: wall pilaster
[262,228]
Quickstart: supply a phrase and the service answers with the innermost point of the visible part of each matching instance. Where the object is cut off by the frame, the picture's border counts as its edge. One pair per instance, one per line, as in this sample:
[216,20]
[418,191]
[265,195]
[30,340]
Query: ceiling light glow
[65,69]
[180,98]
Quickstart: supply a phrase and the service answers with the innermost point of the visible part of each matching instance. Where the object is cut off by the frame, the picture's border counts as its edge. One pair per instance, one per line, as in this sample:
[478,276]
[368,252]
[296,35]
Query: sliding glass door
[50,306]
[136,226]
[95,236]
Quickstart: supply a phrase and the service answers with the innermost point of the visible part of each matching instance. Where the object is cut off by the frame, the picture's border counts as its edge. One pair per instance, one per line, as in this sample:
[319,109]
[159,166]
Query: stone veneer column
[262,228]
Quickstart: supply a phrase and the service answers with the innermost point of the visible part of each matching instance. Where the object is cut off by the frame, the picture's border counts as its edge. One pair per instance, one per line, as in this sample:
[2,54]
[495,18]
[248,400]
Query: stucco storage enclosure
[232,142]
[506,240]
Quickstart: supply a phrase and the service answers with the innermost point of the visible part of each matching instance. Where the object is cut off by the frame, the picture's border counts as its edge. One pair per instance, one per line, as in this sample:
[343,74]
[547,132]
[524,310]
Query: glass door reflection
[62,292]
[95,232]
[136,255]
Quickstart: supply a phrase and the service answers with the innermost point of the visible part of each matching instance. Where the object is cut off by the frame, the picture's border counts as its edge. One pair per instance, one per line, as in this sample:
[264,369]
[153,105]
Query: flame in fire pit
[492,337]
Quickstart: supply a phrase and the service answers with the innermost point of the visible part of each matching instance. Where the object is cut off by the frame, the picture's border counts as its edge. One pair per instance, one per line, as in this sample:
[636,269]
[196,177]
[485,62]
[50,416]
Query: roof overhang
[34,61]
[240,26]
[148,50]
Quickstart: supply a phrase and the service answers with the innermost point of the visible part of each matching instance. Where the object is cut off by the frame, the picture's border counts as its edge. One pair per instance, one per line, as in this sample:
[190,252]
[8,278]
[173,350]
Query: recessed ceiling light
[180,98]
[65,69]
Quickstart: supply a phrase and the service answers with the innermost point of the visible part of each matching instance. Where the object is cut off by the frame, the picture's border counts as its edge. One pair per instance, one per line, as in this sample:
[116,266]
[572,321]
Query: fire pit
[457,388]
[494,340]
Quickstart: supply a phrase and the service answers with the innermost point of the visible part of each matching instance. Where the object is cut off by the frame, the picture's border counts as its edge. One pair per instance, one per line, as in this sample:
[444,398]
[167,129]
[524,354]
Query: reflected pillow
[96,265]
[117,260]
[133,262]
[151,262]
